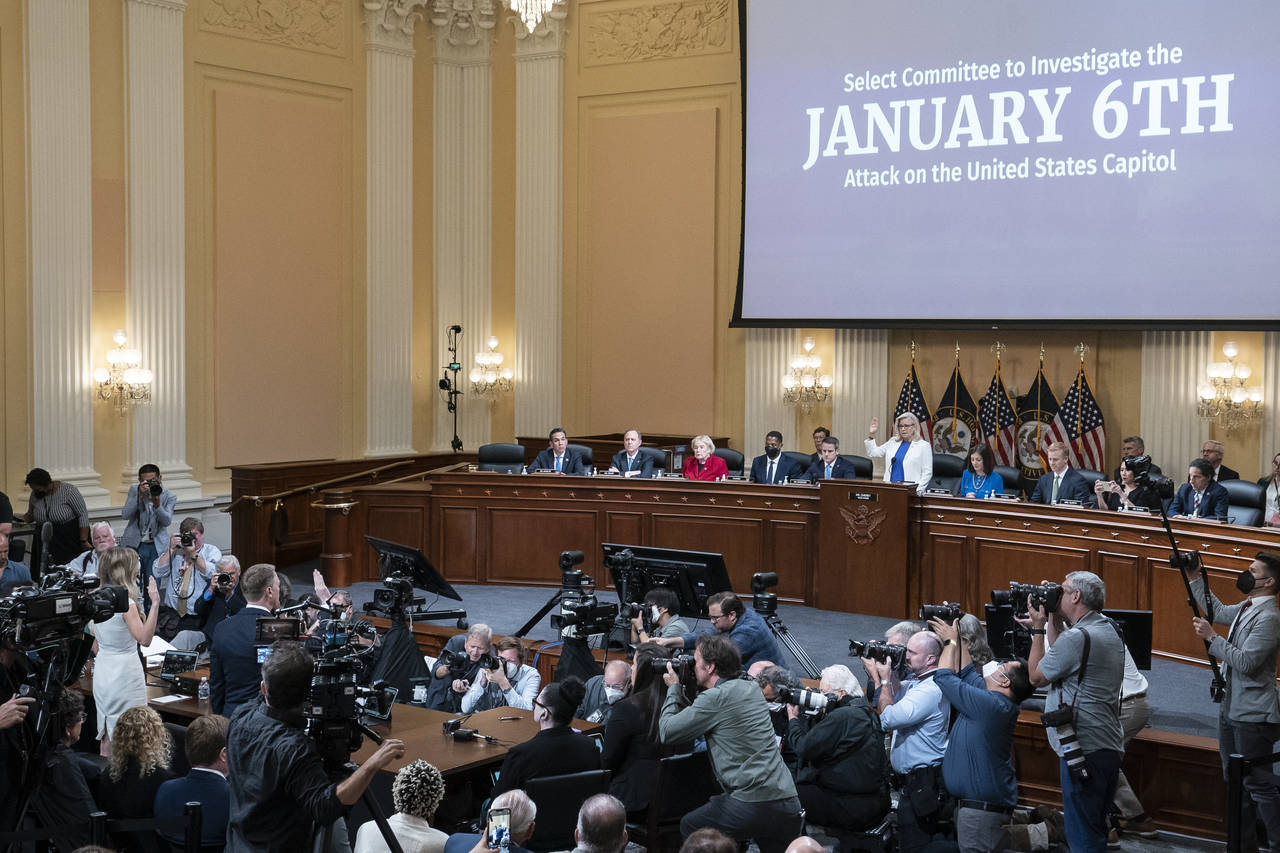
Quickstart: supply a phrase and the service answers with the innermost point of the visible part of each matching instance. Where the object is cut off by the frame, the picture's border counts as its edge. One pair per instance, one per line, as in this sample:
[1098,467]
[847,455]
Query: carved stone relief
[659,31]
[319,25]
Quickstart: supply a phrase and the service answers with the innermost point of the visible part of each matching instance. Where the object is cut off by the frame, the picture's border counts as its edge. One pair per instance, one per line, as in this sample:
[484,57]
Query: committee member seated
[556,749]
[659,617]
[819,435]
[1125,493]
[759,800]
[603,692]
[1062,482]
[630,462]
[772,466]
[416,794]
[1201,496]
[829,465]
[1212,451]
[908,457]
[206,784]
[703,464]
[841,775]
[234,671]
[450,684]
[980,478]
[746,628]
[513,683]
[1131,447]
[560,457]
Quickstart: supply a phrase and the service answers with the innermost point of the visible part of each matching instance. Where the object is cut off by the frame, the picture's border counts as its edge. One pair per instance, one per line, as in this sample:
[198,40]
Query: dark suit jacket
[573,462]
[1073,488]
[1225,473]
[785,467]
[199,786]
[643,463]
[216,608]
[841,469]
[1212,505]
[234,673]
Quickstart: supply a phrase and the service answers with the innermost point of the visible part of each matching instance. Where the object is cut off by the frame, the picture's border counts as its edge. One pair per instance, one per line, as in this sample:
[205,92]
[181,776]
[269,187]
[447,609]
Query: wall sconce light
[123,383]
[1224,397]
[489,378]
[803,385]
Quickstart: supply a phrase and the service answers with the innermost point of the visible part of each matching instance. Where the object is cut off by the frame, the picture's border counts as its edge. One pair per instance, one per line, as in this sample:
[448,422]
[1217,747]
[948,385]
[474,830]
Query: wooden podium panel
[864,548]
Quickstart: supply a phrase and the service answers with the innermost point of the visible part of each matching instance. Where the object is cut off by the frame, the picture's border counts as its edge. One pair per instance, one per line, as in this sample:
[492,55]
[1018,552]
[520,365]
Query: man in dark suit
[1212,451]
[630,462]
[222,598]
[559,457]
[1249,716]
[1131,447]
[829,465]
[234,671]
[206,784]
[1201,497]
[819,435]
[1062,482]
[773,467]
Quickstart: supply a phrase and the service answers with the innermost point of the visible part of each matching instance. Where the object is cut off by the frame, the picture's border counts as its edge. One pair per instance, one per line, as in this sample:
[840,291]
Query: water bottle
[202,694]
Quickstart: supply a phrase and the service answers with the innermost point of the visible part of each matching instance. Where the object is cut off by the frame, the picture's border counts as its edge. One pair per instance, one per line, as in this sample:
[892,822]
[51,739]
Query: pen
[501,719]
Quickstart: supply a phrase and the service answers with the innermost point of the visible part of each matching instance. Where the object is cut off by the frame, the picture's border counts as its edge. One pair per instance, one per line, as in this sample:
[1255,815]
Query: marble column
[61,243]
[155,303]
[861,389]
[389,226]
[1172,364]
[539,230]
[769,353]
[463,31]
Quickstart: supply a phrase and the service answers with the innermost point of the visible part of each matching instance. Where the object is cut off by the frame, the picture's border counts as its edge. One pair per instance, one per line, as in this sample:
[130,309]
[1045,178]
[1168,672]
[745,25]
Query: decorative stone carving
[862,523]
[660,31]
[319,25]
[547,37]
[389,23]
[464,23]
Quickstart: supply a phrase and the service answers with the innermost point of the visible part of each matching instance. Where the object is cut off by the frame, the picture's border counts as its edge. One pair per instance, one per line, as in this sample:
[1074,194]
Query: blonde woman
[119,682]
[704,464]
[140,753]
[908,457]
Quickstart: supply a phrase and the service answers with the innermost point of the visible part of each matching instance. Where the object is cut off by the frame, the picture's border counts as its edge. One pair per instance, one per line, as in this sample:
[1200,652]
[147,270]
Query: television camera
[766,604]
[581,613]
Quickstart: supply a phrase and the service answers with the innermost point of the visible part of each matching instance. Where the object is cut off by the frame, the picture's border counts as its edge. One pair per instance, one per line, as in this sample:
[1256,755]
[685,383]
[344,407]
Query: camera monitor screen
[396,558]
[1007,641]
[694,575]
[272,628]
[177,662]
[1135,628]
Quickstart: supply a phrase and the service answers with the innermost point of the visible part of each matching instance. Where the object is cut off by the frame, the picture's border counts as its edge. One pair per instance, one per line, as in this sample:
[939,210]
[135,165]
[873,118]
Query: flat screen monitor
[694,575]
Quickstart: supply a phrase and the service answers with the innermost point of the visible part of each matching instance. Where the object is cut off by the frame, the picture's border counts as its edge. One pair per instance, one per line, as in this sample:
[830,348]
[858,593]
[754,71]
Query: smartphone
[499,828]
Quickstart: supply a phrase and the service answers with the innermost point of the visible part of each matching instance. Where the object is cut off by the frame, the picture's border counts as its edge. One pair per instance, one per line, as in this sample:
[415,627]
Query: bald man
[603,691]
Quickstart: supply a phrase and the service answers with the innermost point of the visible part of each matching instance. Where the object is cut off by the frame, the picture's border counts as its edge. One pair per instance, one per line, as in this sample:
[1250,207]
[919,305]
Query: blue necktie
[828,472]
[559,459]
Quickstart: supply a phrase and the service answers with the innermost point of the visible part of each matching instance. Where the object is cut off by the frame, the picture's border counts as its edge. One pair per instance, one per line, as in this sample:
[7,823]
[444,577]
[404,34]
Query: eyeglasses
[716,616]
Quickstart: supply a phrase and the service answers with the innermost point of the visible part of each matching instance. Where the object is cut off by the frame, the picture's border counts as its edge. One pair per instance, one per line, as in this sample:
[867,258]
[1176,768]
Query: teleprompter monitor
[693,575]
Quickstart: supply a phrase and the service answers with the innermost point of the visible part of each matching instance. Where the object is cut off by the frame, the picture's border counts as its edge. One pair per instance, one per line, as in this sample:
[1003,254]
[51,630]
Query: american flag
[911,399]
[1082,420]
[998,420]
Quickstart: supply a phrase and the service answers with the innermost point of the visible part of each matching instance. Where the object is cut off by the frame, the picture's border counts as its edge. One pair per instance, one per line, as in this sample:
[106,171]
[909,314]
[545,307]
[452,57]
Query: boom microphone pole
[450,386]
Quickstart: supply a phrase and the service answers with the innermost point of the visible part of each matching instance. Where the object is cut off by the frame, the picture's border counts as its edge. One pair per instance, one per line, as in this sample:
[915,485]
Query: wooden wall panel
[406,525]
[741,541]
[946,572]
[999,562]
[1121,573]
[525,547]
[460,544]
[790,552]
[624,528]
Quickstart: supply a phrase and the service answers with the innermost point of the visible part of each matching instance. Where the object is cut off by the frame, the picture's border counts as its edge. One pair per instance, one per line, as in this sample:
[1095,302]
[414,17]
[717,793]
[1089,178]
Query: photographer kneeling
[978,767]
[841,774]
[279,788]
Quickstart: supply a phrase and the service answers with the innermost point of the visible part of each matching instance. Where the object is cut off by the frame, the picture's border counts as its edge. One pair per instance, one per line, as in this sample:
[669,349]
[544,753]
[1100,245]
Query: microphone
[455,329]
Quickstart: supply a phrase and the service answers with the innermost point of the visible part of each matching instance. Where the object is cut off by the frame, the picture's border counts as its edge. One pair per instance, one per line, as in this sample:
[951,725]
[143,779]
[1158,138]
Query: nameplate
[1002,496]
[945,492]
[1139,509]
[866,496]
[1070,503]
[737,478]
[798,481]
[545,471]
[673,475]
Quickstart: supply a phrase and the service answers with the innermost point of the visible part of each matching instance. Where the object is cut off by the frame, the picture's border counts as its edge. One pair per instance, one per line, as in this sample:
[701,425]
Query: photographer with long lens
[841,774]
[918,715]
[503,680]
[223,598]
[148,512]
[978,767]
[457,666]
[659,616]
[280,789]
[759,799]
[1249,717]
[1084,668]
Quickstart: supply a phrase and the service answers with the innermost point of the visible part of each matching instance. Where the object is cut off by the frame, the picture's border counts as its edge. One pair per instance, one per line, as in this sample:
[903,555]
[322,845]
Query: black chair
[684,783]
[558,799]
[588,458]
[947,472]
[733,460]
[503,458]
[1246,502]
[1090,476]
[178,763]
[861,465]
[659,458]
[1012,478]
[801,459]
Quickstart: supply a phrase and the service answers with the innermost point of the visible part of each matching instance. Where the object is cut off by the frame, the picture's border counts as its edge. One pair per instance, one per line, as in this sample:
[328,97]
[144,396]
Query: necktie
[559,460]
[1195,506]
[1057,479]
[630,460]
[1231,635]
[184,586]
[828,471]
[769,479]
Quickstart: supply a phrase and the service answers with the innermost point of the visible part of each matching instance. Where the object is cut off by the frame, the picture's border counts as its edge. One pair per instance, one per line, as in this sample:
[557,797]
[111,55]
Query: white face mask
[654,613]
[775,707]
[612,694]
[511,669]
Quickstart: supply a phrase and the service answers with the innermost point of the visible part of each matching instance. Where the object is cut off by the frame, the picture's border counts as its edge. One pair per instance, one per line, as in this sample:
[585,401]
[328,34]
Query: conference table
[854,546]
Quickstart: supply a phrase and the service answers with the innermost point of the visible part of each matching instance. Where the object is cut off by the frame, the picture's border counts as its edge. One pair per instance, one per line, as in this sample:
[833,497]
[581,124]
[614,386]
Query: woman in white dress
[119,681]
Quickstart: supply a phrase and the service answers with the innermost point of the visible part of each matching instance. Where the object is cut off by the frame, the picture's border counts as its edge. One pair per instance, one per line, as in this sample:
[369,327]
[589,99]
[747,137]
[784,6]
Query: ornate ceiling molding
[464,29]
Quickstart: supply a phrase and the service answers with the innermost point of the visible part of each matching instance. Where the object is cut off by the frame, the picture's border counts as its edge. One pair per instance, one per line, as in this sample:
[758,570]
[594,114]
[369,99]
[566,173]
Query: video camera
[331,709]
[890,653]
[581,613]
[395,596]
[764,603]
[59,610]
[1141,468]
[945,612]
[807,700]
[1046,595]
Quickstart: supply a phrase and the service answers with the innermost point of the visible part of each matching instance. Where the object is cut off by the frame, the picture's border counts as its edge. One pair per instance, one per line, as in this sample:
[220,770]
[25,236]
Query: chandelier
[123,382]
[803,385]
[1224,398]
[531,12]
[489,378]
